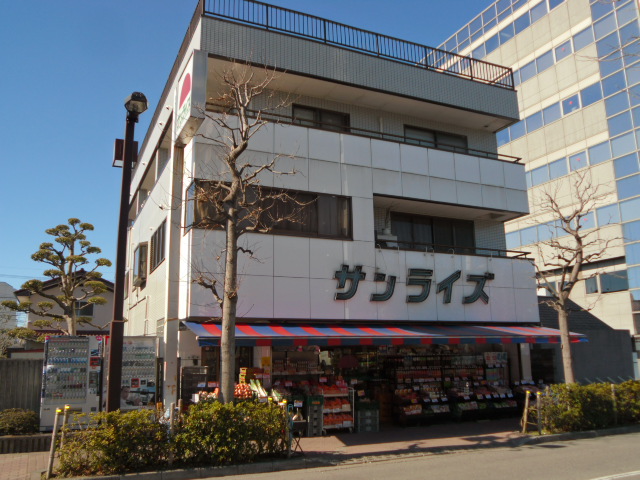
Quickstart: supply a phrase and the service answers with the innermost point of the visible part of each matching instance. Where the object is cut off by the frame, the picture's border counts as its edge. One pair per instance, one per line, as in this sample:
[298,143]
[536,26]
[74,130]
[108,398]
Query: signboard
[190,98]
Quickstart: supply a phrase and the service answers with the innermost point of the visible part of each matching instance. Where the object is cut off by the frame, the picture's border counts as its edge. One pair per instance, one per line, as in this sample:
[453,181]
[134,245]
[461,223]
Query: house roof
[54,282]
[578,317]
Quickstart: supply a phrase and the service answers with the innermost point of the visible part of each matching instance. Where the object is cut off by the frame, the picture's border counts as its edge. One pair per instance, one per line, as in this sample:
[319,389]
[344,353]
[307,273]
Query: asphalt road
[614,457]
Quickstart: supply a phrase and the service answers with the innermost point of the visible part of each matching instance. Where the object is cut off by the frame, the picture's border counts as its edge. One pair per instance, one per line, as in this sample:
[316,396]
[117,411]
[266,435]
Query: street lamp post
[136,103]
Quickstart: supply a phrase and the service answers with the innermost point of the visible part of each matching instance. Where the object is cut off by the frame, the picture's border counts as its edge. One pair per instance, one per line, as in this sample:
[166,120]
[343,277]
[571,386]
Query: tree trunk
[230,296]
[567,360]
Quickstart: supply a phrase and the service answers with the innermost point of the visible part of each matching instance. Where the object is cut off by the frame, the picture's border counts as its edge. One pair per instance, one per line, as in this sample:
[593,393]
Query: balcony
[297,24]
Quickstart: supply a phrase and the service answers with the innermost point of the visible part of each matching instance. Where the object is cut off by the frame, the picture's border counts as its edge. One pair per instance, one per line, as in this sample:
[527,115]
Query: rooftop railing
[318,29]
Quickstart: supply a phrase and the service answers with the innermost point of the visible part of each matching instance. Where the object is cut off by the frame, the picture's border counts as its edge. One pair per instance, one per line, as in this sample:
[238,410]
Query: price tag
[435,400]
[416,387]
[361,393]
[288,383]
[297,403]
[510,395]
[502,395]
[354,381]
[476,384]
[444,399]
[322,379]
[466,397]
[480,397]
[427,400]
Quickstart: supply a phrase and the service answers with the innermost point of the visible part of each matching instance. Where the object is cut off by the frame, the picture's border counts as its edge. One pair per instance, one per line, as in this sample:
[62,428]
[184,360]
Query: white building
[403,156]
[577,78]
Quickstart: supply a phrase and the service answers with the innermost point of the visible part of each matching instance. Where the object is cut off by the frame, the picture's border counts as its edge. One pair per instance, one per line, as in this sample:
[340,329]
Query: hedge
[573,407]
[208,434]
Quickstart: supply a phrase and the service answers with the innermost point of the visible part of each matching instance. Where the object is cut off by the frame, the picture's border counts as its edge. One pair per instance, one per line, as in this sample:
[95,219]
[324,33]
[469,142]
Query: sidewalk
[343,448]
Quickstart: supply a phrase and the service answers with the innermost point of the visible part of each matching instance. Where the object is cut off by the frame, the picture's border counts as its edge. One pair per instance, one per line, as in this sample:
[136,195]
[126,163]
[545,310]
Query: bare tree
[66,259]
[572,245]
[235,201]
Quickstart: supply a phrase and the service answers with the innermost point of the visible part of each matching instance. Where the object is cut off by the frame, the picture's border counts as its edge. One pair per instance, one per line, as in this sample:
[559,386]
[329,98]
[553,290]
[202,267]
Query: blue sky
[67,68]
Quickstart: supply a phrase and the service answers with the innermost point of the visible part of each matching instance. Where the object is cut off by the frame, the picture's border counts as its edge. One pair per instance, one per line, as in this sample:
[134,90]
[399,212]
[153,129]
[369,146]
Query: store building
[578,84]
[401,285]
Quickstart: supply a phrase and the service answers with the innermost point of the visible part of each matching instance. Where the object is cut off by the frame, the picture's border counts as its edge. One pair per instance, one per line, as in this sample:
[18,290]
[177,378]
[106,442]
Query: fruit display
[336,405]
[242,391]
[338,420]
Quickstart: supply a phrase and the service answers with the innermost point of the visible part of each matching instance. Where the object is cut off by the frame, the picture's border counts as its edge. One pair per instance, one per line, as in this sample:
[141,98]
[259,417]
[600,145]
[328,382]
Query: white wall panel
[325,177]
[322,296]
[441,164]
[443,190]
[255,296]
[291,256]
[363,225]
[356,150]
[325,258]
[357,181]
[291,298]
[291,140]
[385,155]
[491,172]
[386,182]
[467,168]
[415,186]
[469,193]
[414,159]
[324,145]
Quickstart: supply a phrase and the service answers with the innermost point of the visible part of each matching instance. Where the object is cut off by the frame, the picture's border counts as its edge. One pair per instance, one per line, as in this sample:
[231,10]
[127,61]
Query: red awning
[208,334]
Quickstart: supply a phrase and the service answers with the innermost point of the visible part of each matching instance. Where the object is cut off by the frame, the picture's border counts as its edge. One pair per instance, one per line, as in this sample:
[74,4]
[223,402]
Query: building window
[435,139]
[591,285]
[157,246]
[83,309]
[140,265]
[614,281]
[320,118]
[305,213]
[417,232]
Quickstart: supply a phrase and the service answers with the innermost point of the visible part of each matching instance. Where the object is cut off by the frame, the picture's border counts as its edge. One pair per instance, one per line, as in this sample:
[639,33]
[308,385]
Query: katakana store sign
[418,278]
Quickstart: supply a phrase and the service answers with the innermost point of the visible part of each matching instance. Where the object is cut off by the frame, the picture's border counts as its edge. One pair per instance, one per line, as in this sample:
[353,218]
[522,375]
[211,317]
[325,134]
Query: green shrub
[17,421]
[570,408]
[213,433]
[628,402]
[115,443]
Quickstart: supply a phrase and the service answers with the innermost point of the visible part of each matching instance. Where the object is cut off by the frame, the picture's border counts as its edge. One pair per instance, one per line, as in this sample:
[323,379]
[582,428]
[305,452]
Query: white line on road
[620,475]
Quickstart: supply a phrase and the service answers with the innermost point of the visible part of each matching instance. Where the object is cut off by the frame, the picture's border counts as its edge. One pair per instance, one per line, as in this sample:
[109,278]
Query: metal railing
[450,249]
[291,22]
[361,132]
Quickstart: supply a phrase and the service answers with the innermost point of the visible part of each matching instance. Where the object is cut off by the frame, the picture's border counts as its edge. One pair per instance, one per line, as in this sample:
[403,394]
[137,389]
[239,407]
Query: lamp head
[136,103]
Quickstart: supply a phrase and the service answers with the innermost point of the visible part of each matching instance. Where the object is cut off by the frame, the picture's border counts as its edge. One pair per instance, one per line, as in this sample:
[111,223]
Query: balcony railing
[361,132]
[318,29]
[450,249]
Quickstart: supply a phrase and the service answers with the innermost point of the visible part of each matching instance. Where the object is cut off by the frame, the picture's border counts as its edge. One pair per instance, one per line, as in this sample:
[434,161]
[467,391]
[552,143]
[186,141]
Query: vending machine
[138,385]
[71,375]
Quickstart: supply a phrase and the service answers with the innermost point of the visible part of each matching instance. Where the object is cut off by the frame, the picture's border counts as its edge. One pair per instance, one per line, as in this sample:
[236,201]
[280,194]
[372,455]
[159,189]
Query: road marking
[620,475]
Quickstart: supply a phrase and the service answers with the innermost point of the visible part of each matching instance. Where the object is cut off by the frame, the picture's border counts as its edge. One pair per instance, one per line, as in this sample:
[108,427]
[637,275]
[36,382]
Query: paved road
[615,457]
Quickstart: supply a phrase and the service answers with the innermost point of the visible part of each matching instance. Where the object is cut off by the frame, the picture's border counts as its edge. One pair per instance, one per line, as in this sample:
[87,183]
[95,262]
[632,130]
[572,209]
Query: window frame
[319,115]
[439,139]
[157,246]
[140,264]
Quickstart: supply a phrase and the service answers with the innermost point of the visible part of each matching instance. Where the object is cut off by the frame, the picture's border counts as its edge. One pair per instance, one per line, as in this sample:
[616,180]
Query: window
[528,71]
[517,130]
[591,285]
[540,175]
[538,12]
[513,240]
[563,50]
[578,161]
[558,168]
[582,39]
[633,254]
[503,137]
[616,103]
[491,44]
[608,215]
[613,84]
[140,265]
[551,113]
[591,94]
[320,118]
[529,235]
[298,213]
[629,187]
[570,104]
[436,139]
[83,309]
[534,122]
[600,9]
[623,144]
[157,253]
[630,210]
[604,26]
[620,124]
[544,61]
[417,232]
[163,159]
[521,23]
[506,33]
[599,153]
[614,282]
[611,64]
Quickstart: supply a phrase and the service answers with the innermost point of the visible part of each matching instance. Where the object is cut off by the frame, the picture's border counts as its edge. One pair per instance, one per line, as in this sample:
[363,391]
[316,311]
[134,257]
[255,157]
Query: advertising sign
[190,97]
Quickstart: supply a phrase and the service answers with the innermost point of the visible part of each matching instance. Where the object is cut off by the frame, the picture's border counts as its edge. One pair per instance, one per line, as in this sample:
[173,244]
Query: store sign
[190,97]
[420,278]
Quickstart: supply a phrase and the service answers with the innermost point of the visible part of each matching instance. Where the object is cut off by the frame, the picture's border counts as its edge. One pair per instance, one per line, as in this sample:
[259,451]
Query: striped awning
[208,334]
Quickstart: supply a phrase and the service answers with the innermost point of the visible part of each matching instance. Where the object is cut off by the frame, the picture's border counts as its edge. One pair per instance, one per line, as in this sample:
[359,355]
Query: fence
[20,380]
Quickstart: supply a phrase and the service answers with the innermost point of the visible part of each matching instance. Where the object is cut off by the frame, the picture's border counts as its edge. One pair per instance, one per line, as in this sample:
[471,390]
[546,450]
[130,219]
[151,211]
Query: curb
[333,459]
